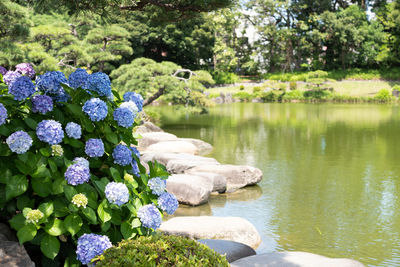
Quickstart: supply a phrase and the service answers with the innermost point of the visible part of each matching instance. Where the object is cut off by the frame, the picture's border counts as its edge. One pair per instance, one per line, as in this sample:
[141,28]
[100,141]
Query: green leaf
[58,185]
[45,151]
[31,123]
[17,222]
[46,208]
[22,167]
[42,172]
[101,184]
[115,174]
[75,109]
[105,226]
[90,214]
[69,192]
[104,211]
[136,223]
[73,223]
[26,233]
[127,230]
[4,130]
[112,138]
[55,227]
[16,186]
[58,115]
[75,143]
[60,207]
[50,246]
[42,186]
[25,201]
[52,165]
[72,262]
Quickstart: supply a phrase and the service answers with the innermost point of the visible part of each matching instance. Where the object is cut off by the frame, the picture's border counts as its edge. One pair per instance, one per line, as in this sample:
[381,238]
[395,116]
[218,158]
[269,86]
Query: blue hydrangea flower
[135,168]
[96,109]
[135,151]
[3,70]
[77,174]
[3,114]
[19,142]
[157,185]
[90,246]
[26,69]
[122,155]
[150,216]
[61,96]
[94,148]
[99,82]
[168,203]
[131,106]
[82,161]
[78,78]
[124,117]
[21,88]
[50,82]
[117,193]
[42,104]
[73,130]
[10,77]
[50,131]
[135,97]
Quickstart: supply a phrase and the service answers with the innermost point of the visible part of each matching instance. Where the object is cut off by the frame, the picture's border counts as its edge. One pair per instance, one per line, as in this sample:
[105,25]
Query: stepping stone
[203,147]
[208,227]
[172,147]
[153,138]
[164,158]
[293,259]
[231,249]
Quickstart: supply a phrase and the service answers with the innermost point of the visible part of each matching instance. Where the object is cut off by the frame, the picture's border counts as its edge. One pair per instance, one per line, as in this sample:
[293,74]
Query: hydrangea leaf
[16,186]
[50,246]
[26,233]
[55,227]
[73,223]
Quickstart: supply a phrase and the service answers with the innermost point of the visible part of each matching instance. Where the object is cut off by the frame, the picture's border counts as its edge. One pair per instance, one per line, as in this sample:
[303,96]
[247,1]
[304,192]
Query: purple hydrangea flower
[90,246]
[131,106]
[42,104]
[150,216]
[10,77]
[122,155]
[26,69]
[81,161]
[168,202]
[98,82]
[94,148]
[124,117]
[78,78]
[77,174]
[3,70]
[96,109]
[157,185]
[21,88]
[50,82]
[50,131]
[117,193]
[136,98]
[73,130]
[3,114]
[19,142]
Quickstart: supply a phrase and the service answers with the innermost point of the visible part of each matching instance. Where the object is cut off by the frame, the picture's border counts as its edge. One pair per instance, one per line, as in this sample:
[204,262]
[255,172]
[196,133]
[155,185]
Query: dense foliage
[161,250]
[72,182]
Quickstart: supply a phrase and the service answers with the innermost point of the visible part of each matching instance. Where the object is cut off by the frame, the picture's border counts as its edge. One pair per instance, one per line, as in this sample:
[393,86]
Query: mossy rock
[161,250]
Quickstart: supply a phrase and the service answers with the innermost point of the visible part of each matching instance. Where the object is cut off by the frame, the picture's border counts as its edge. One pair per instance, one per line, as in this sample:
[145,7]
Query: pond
[331,174]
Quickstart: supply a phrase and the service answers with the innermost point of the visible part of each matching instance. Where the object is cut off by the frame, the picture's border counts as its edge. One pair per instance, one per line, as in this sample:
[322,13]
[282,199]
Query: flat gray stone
[189,189]
[208,227]
[151,138]
[7,233]
[152,127]
[219,181]
[204,148]
[181,165]
[236,176]
[294,259]
[12,254]
[231,249]
[171,147]
[164,158]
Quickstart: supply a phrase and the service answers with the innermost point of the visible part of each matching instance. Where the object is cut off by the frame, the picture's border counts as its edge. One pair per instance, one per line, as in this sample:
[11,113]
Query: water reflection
[331,174]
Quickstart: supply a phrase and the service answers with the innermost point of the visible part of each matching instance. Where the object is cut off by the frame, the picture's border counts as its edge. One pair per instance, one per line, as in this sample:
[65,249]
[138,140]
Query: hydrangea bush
[72,183]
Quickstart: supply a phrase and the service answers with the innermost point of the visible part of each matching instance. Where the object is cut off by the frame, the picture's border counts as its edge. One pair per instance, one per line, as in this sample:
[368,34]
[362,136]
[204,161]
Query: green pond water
[331,174]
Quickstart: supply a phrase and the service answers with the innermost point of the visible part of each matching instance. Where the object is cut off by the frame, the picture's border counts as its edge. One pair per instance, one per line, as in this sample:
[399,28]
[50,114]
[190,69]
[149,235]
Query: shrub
[69,168]
[256,89]
[282,86]
[293,85]
[241,88]
[161,250]
[221,77]
[383,95]
[317,94]
[272,96]
[293,95]
[243,96]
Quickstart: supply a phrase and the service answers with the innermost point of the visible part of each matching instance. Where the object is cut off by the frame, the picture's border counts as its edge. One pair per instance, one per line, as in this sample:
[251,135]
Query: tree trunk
[154,97]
